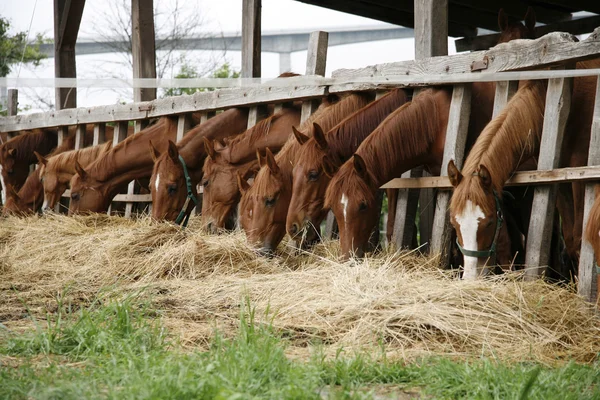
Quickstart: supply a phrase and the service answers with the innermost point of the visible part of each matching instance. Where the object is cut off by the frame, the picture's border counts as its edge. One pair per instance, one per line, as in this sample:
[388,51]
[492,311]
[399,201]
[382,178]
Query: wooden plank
[120,132]
[205,116]
[431,28]
[143,45]
[515,9]
[316,62]
[558,102]
[123,198]
[99,134]
[587,277]
[406,212]
[13,102]
[504,92]
[61,133]
[80,136]
[454,149]
[251,38]
[184,123]
[549,50]
[139,125]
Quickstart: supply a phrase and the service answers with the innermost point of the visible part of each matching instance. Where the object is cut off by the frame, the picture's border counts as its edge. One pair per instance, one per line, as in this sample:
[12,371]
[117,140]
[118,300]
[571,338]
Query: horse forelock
[348,182]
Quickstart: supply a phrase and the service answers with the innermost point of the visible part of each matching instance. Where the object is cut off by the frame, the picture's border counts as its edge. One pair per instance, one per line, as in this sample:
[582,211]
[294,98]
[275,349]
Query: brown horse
[56,171]
[93,188]
[411,136]
[265,204]
[592,231]
[168,182]
[221,192]
[321,156]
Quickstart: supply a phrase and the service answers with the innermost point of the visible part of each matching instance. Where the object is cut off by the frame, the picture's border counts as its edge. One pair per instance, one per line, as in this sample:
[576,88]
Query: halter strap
[183,215]
[492,250]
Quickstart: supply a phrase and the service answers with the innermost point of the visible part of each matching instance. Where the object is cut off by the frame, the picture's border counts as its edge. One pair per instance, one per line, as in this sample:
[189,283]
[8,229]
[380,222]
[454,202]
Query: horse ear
[209,148]
[320,137]
[260,158]
[359,165]
[300,137]
[12,152]
[80,171]
[173,152]
[502,20]
[218,144]
[485,177]
[153,151]
[243,185]
[329,167]
[41,159]
[107,147]
[454,174]
[530,21]
[271,163]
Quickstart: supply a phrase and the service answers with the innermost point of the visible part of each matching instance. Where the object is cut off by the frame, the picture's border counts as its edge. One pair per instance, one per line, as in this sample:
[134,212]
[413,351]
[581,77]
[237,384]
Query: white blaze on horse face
[344,203]
[157,181]
[3,186]
[469,224]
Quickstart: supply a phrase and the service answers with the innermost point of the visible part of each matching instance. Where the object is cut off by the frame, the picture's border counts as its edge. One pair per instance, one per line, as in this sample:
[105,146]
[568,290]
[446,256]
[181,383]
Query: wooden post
[587,276]
[62,133]
[184,123]
[316,63]
[119,135]
[558,102]
[143,46]
[431,28]
[67,18]
[80,136]
[454,149]
[13,102]
[99,134]
[504,92]
[131,187]
[251,48]
[406,211]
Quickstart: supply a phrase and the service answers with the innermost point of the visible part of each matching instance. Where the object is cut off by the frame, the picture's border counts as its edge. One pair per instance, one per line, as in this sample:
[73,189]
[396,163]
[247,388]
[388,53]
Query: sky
[213,16]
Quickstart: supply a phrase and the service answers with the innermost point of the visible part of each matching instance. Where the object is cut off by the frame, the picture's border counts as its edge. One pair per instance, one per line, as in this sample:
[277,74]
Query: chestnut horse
[168,184]
[93,188]
[411,136]
[221,192]
[265,204]
[56,171]
[592,231]
[321,156]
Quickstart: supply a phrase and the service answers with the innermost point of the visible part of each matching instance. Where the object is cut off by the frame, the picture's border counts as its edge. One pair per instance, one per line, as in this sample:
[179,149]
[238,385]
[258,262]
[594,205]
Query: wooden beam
[454,149]
[587,276]
[316,62]
[99,134]
[504,92]
[515,10]
[251,31]
[67,19]
[143,46]
[184,123]
[80,136]
[558,102]
[576,27]
[583,5]
[431,28]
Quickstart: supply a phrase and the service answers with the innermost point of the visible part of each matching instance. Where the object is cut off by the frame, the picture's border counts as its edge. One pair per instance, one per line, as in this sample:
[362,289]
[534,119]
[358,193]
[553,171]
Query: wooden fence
[553,50]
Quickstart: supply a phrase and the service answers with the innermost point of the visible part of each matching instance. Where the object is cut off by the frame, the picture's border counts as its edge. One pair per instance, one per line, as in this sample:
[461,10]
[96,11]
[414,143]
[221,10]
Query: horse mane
[509,139]
[592,231]
[27,142]
[65,162]
[345,137]
[406,133]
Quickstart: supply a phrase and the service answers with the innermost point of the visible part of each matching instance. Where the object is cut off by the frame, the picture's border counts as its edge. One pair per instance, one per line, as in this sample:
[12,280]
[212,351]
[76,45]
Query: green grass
[119,350]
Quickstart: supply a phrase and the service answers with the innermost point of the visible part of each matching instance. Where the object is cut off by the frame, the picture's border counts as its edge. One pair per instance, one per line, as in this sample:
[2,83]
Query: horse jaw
[468,220]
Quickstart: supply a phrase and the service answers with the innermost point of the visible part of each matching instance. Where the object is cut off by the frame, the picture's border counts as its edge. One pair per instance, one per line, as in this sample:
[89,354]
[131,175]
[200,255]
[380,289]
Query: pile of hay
[199,281]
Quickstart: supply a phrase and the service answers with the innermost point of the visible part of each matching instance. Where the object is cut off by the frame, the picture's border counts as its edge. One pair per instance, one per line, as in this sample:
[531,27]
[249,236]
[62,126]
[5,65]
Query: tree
[189,71]
[11,48]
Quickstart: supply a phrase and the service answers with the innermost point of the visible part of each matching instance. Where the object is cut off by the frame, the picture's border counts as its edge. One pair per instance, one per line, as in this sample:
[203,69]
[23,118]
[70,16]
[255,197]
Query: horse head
[516,30]
[351,196]
[312,173]
[221,191]
[88,194]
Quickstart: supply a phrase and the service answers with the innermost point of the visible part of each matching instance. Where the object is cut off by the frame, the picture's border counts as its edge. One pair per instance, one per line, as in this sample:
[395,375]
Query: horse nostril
[294,228]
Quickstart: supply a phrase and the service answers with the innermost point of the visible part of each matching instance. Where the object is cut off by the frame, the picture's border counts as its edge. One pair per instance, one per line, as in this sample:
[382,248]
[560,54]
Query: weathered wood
[80,136]
[184,123]
[561,175]
[431,28]
[120,133]
[99,134]
[406,212]
[123,198]
[454,149]
[67,19]
[558,102]
[504,92]
[587,276]
[331,226]
[139,125]
[549,50]
[13,102]
[62,133]
[143,46]
[251,30]
[316,62]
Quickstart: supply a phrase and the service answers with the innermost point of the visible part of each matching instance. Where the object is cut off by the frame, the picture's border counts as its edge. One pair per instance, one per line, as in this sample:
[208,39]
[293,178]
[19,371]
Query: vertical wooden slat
[61,132]
[558,102]
[13,107]
[587,277]
[454,149]
[251,47]
[184,123]
[143,46]
[205,116]
[431,28]
[80,136]
[119,135]
[99,134]
[504,92]
[131,187]
[316,63]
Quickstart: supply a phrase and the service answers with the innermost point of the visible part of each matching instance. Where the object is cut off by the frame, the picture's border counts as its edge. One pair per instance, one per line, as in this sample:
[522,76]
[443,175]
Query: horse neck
[345,138]
[511,138]
[271,132]
[404,139]
[39,140]
[32,189]
[226,124]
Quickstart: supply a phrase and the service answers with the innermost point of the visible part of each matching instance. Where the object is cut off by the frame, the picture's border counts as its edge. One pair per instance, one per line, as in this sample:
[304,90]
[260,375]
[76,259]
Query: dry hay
[199,282]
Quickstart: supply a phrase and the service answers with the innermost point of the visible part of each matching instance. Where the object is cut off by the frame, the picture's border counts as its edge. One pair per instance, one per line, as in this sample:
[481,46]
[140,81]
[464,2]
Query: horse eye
[362,206]
[205,183]
[74,196]
[313,175]
[270,202]
[172,189]
[10,171]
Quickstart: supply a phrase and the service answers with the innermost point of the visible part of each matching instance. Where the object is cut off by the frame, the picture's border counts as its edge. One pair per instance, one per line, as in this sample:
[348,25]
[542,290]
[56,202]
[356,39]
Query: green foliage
[189,71]
[11,48]
[118,350]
